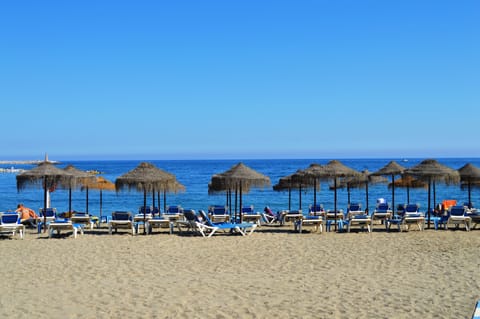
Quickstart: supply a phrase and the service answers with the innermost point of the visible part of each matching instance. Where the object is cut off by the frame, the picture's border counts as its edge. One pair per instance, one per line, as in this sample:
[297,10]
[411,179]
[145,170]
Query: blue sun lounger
[232,227]
[10,224]
[476,312]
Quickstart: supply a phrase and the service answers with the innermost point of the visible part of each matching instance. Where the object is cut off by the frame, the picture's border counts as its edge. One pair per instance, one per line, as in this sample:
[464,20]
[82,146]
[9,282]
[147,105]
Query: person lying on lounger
[27,215]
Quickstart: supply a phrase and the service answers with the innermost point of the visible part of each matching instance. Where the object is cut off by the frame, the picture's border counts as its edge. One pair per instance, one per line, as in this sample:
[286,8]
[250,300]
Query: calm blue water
[196,174]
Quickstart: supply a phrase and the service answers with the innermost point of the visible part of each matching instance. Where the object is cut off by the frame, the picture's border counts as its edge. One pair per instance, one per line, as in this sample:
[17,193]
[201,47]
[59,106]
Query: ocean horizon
[196,174]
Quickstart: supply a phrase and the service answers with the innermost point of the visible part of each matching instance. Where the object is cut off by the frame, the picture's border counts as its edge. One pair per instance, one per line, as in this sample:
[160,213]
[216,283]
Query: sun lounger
[82,218]
[159,222]
[249,215]
[121,220]
[49,213]
[476,311]
[268,217]
[218,213]
[412,216]
[335,218]
[457,215]
[291,216]
[316,210]
[313,221]
[64,225]
[10,225]
[241,228]
[173,213]
[382,213]
[193,223]
[357,217]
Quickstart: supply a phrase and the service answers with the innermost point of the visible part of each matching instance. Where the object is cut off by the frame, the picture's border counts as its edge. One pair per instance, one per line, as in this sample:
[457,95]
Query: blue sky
[239,79]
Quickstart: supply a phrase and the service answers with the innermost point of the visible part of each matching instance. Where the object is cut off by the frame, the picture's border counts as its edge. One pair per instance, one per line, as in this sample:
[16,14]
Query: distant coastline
[34,162]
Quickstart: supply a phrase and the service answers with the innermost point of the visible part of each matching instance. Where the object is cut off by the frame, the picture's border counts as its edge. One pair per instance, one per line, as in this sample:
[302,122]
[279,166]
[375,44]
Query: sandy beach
[273,273]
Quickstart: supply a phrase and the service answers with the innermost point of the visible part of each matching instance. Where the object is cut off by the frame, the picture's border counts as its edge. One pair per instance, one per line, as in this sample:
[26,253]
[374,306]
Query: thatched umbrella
[48,176]
[289,182]
[332,171]
[311,177]
[408,182]
[81,178]
[469,174]
[391,169]
[239,177]
[101,184]
[145,177]
[176,187]
[431,171]
[359,181]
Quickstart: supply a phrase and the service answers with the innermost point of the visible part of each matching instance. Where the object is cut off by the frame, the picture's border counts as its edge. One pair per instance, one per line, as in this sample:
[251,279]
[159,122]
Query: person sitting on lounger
[27,215]
[269,216]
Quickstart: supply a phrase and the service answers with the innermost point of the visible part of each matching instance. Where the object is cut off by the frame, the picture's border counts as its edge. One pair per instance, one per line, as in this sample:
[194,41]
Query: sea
[195,175]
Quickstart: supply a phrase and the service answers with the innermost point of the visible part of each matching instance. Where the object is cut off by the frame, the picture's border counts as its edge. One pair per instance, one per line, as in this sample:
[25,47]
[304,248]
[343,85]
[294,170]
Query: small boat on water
[11,170]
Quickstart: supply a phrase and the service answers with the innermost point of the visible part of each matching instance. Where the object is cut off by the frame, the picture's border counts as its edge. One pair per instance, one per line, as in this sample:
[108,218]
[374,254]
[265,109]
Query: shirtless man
[27,215]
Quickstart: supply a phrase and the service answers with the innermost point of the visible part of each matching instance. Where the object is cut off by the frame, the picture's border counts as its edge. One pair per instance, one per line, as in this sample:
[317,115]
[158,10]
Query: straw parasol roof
[289,182]
[44,174]
[431,171]
[408,181]
[80,177]
[292,181]
[100,183]
[332,170]
[145,177]
[239,177]
[363,179]
[47,176]
[391,169]
[311,178]
[469,172]
[360,180]
[469,175]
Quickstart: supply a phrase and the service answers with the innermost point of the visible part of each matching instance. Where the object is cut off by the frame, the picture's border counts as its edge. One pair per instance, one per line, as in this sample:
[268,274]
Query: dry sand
[273,273]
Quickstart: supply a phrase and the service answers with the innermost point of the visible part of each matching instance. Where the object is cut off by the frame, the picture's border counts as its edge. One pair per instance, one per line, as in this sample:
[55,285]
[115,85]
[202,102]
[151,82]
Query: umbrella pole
[144,209]
[428,211]
[289,198]
[229,202]
[158,199]
[236,201]
[314,193]
[469,194]
[434,195]
[164,200]
[86,206]
[335,200]
[153,198]
[408,193]
[393,195]
[366,197]
[348,194]
[241,215]
[69,199]
[300,197]
[101,205]
[44,204]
